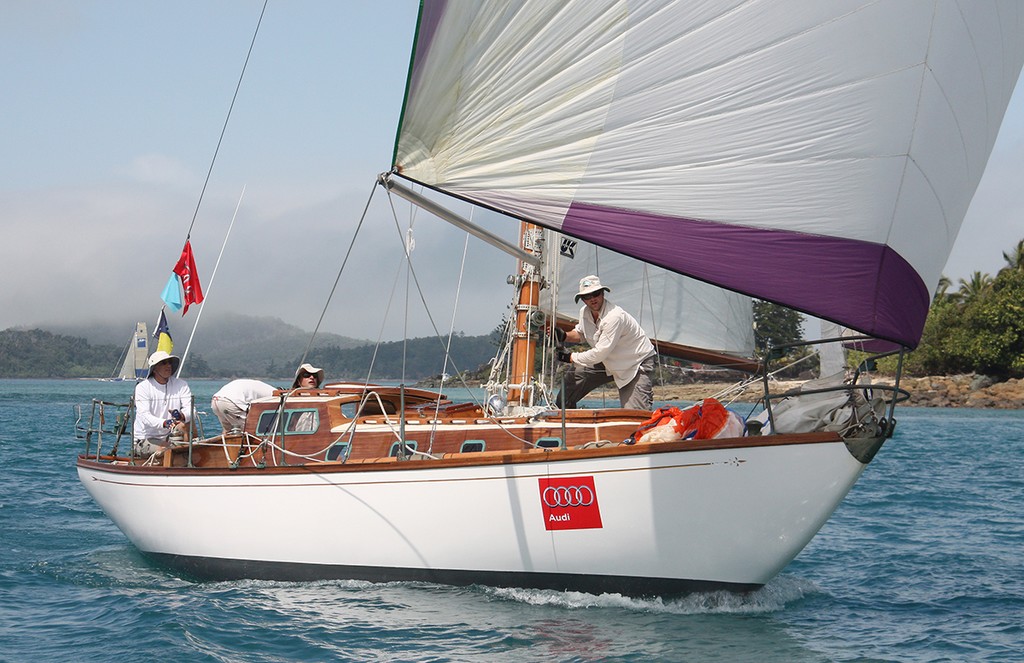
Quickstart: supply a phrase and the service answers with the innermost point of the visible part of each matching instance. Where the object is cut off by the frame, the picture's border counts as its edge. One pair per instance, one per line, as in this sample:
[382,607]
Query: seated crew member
[163,405]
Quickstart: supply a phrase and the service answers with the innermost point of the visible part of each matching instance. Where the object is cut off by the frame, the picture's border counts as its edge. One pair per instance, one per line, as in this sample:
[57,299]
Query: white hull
[669,522]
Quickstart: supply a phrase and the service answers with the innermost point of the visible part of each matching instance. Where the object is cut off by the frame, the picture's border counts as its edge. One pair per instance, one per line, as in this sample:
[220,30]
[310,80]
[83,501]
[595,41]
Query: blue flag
[172,293]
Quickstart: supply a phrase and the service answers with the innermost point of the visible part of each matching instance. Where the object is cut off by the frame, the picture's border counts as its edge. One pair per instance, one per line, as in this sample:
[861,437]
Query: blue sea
[924,561]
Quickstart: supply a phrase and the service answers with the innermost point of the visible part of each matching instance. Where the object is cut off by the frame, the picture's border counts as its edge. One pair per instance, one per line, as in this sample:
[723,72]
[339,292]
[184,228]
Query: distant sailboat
[133,366]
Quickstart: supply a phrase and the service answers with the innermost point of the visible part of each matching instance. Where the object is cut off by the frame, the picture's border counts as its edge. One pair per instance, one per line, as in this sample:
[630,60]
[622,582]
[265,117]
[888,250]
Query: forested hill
[234,345]
[40,354]
[422,358]
[36,353]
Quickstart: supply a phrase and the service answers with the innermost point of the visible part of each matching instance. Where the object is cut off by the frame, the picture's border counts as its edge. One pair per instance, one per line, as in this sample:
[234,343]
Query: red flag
[186,271]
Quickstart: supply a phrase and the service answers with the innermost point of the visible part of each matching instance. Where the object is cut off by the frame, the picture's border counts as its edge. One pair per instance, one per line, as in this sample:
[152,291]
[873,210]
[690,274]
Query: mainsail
[670,307]
[819,155]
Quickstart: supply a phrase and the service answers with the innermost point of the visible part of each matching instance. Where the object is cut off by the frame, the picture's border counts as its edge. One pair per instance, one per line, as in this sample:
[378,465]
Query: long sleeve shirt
[616,340]
[243,392]
[153,405]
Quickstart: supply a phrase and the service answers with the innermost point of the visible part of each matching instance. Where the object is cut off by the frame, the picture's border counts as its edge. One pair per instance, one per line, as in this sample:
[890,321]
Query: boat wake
[774,596]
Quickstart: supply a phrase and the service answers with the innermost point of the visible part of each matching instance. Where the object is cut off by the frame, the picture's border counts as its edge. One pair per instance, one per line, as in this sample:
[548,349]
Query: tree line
[37,353]
[978,328]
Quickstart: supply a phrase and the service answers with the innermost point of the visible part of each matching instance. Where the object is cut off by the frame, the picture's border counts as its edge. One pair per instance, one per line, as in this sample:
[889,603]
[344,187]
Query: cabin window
[470,446]
[337,451]
[266,422]
[299,422]
[302,421]
[410,446]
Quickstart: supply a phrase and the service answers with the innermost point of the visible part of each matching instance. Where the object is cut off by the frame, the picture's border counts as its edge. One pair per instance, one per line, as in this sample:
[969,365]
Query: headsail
[819,155]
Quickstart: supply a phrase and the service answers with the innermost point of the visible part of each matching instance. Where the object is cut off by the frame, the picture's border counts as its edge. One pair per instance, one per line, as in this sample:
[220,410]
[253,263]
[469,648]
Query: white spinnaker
[852,119]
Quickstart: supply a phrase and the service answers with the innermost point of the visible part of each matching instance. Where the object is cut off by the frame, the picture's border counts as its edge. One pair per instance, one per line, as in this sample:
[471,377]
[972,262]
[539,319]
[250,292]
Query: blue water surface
[924,561]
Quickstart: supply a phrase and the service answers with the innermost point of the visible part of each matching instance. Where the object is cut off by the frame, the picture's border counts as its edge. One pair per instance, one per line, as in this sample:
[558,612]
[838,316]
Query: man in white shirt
[619,351]
[163,405]
[231,402]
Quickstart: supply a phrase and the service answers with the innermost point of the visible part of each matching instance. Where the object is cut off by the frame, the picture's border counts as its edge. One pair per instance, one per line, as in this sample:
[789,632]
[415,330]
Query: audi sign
[569,503]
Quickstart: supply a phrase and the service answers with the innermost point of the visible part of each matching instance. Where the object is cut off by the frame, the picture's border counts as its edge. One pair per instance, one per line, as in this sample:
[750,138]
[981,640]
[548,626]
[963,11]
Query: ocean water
[924,561]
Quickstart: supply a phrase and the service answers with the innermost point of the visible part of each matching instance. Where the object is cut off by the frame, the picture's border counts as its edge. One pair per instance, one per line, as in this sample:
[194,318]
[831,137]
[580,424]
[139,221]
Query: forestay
[821,155]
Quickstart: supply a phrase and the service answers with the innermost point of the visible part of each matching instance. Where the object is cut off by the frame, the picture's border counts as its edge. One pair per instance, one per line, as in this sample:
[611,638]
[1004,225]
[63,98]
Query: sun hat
[318,373]
[589,284]
[160,356]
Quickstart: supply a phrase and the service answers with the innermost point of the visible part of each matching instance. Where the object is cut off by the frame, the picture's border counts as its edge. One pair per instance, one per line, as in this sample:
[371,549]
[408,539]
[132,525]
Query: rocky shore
[974,391]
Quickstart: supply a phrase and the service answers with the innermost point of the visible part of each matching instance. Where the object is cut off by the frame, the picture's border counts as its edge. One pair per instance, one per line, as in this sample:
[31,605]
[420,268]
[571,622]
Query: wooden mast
[524,343]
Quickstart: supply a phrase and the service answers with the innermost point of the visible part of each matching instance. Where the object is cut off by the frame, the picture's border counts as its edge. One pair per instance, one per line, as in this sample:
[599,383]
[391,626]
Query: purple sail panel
[429,21]
[864,286]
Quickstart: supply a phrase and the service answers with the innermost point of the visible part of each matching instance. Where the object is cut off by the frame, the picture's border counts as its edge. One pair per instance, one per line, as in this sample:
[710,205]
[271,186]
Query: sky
[112,111]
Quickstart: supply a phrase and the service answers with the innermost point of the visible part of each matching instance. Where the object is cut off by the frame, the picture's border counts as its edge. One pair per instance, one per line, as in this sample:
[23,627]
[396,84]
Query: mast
[524,342]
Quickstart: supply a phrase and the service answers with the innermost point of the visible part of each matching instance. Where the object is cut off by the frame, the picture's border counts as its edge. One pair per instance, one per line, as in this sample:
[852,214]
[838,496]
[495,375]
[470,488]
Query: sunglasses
[592,295]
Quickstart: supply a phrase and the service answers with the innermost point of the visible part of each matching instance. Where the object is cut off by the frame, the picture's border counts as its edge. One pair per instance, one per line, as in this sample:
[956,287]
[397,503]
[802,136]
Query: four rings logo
[569,503]
[564,496]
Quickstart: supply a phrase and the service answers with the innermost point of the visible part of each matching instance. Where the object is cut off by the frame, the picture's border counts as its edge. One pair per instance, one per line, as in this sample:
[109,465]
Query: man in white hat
[308,376]
[163,405]
[619,351]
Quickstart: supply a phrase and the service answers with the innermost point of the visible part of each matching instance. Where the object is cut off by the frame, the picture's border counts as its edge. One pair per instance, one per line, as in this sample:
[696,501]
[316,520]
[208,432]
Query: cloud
[105,253]
[160,169]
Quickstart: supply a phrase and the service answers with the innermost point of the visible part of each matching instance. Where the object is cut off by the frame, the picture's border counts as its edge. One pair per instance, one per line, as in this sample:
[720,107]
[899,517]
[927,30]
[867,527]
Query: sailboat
[133,365]
[816,155]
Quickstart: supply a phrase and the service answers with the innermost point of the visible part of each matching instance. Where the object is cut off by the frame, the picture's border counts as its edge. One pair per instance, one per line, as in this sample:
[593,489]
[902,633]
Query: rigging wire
[394,289]
[649,290]
[437,334]
[384,320]
[341,270]
[209,171]
[209,284]
[451,334]
[224,128]
[423,300]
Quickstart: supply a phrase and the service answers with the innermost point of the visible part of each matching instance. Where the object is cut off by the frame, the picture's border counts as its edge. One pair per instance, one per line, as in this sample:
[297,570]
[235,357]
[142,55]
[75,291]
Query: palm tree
[976,287]
[1015,258]
[942,289]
